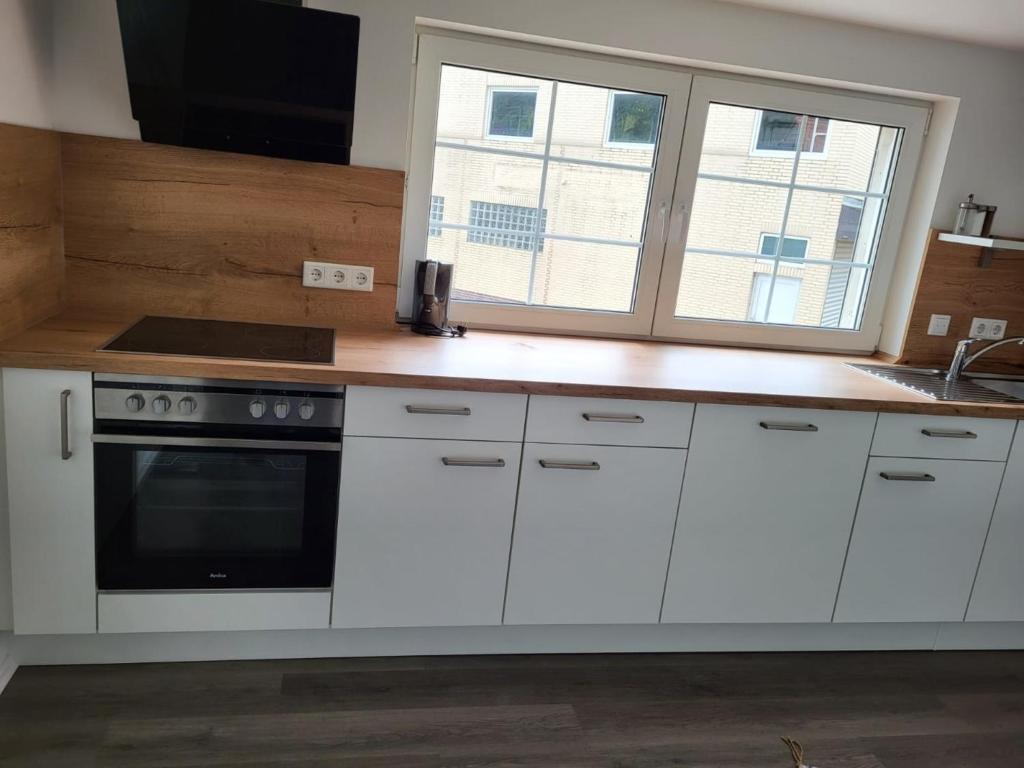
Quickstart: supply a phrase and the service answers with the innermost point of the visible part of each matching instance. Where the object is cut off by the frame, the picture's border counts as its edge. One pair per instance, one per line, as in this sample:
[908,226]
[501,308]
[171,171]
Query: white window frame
[493,89]
[601,71]
[608,127]
[756,152]
[755,94]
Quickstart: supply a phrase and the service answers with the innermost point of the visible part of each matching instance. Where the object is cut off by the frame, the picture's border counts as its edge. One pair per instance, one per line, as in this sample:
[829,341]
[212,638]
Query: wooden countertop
[510,362]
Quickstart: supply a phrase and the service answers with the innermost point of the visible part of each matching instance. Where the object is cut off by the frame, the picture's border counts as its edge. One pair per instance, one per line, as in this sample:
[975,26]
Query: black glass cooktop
[219,338]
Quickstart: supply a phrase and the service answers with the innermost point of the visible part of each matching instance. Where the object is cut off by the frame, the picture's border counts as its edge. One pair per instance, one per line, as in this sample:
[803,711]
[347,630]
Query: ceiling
[988,22]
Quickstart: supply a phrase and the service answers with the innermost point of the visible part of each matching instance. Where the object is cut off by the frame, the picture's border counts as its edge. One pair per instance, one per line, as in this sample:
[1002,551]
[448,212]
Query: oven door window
[197,517]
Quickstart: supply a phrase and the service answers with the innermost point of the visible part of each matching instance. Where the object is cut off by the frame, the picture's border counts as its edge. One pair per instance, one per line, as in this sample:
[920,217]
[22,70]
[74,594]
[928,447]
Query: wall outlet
[987,328]
[339,277]
[939,325]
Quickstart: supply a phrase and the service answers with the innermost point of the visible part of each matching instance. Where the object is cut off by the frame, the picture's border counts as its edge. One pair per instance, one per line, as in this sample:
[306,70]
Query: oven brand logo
[218,575]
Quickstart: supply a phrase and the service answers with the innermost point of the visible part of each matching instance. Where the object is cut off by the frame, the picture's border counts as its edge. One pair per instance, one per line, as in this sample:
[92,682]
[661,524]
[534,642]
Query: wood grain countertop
[511,362]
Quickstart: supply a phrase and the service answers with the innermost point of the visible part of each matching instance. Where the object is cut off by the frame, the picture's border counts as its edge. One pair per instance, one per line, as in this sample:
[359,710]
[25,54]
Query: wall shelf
[988,245]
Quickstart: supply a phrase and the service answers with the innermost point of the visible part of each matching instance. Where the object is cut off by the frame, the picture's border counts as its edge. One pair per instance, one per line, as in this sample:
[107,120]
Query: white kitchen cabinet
[593,533]
[999,589]
[765,514]
[424,528]
[915,547]
[48,422]
[942,437]
[605,421]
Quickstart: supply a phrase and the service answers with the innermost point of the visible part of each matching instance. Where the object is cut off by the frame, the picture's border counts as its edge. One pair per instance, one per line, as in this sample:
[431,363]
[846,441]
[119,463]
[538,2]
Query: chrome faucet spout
[961,358]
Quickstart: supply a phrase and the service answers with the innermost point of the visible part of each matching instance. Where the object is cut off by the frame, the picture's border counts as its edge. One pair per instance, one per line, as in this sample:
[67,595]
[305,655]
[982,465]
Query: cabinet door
[50,490]
[423,532]
[593,533]
[765,514]
[915,548]
[999,590]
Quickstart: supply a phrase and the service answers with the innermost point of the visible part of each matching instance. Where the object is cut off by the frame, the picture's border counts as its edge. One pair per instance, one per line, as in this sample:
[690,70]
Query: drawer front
[601,421]
[942,437]
[442,414]
[917,540]
[593,532]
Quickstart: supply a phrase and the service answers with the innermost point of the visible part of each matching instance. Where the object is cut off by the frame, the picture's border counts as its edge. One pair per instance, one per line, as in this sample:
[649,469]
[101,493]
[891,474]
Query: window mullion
[785,216]
[539,224]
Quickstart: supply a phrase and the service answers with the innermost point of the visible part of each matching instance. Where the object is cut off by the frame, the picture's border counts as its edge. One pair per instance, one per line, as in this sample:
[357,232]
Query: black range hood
[242,75]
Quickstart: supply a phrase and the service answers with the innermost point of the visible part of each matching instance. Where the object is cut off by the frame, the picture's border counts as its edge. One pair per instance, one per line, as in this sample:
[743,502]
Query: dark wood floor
[864,710]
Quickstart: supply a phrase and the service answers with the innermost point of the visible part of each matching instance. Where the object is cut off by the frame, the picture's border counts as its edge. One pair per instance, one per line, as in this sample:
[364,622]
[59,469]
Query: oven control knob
[282,409]
[306,410]
[257,408]
[187,406]
[135,403]
[161,404]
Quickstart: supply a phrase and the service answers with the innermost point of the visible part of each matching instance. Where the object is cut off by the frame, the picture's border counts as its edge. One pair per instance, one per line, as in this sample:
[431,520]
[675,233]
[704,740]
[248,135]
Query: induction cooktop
[220,338]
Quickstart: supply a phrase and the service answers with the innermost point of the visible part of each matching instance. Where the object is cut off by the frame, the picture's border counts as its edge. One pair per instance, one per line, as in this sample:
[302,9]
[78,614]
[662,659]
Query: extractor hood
[242,75]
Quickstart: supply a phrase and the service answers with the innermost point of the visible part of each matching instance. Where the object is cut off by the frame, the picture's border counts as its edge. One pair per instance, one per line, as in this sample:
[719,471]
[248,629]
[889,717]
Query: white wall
[26,63]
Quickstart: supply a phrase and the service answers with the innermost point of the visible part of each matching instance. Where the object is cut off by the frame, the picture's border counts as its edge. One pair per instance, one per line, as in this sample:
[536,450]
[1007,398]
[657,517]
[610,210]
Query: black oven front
[207,484]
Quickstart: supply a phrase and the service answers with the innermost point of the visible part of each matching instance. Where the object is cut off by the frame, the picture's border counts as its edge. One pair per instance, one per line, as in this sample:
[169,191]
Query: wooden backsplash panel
[152,229]
[952,283]
[31,261]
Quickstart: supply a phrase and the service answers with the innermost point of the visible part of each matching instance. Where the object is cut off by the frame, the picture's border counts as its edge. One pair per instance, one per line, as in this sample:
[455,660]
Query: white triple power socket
[339,277]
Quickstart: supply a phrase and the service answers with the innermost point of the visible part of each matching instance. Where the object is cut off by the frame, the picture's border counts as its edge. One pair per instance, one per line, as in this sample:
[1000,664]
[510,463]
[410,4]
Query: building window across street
[436,215]
[633,118]
[510,226]
[511,113]
[784,131]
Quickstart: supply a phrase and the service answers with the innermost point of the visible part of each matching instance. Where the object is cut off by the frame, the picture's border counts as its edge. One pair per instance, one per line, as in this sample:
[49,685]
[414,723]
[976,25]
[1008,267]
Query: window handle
[663,216]
[615,418]
[677,222]
[785,426]
[962,434]
[437,410]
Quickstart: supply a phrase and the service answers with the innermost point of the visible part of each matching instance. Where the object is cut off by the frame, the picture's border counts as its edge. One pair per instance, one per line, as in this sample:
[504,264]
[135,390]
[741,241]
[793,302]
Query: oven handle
[217,442]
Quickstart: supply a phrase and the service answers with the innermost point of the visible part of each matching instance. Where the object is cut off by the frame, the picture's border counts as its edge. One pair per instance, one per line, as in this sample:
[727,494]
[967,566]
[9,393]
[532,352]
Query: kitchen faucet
[961,359]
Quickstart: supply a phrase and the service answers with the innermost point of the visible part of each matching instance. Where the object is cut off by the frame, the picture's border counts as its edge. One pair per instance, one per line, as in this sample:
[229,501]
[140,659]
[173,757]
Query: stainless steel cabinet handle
[616,418]
[65,441]
[786,426]
[449,461]
[908,477]
[437,410]
[962,434]
[555,464]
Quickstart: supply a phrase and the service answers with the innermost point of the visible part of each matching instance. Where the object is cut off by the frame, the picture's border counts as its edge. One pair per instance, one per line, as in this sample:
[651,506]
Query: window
[649,201]
[780,132]
[436,215]
[774,304]
[633,118]
[792,247]
[510,226]
[510,112]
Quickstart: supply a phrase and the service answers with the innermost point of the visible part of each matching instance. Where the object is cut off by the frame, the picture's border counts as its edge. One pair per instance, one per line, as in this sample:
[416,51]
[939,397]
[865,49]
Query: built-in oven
[208,484]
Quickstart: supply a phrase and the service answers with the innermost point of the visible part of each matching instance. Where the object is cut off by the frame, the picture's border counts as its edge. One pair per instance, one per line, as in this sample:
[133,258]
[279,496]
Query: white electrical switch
[939,325]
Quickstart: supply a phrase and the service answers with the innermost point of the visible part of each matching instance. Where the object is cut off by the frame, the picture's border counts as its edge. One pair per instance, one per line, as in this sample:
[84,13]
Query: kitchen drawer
[917,540]
[942,437]
[442,414]
[600,421]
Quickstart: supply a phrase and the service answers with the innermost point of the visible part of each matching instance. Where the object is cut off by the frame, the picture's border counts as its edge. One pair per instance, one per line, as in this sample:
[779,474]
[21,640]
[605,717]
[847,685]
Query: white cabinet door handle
[65,439]
[437,410]
[616,418]
[584,465]
[785,426]
[450,461]
[961,434]
[908,477]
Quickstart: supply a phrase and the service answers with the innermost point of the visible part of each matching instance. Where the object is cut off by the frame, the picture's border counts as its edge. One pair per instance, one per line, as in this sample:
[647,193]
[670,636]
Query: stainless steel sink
[931,382]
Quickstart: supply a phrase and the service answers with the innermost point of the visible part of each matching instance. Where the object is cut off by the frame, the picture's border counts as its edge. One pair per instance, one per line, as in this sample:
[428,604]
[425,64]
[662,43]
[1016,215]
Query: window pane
[512,113]
[465,113]
[728,216]
[576,242]
[586,276]
[729,148]
[850,167]
[635,118]
[606,203]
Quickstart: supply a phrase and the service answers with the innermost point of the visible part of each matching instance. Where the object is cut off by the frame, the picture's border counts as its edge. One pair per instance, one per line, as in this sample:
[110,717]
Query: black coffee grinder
[433,294]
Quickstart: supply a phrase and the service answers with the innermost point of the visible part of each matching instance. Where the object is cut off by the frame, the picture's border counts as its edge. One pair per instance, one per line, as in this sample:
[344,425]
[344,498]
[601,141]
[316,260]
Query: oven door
[214,513]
